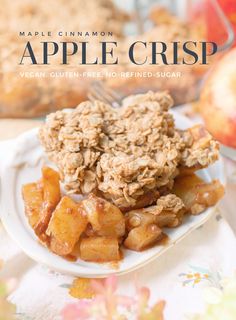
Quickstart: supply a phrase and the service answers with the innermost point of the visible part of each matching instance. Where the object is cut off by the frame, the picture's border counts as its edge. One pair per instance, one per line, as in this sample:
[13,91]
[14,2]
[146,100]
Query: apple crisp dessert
[135,170]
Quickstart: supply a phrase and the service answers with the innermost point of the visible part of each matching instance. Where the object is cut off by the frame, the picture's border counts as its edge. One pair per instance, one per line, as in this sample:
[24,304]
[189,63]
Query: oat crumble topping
[124,153]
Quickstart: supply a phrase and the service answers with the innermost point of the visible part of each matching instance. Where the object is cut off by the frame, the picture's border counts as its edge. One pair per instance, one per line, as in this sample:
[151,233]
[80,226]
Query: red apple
[218,100]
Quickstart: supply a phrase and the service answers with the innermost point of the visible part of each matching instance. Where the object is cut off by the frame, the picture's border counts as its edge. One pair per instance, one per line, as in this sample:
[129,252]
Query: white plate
[24,165]
[228,152]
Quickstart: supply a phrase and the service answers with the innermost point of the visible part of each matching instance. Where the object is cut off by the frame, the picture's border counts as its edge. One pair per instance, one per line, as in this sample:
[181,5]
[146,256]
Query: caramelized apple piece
[51,187]
[170,219]
[171,210]
[105,218]
[142,237]
[99,249]
[144,224]
[143,201]
[67,224]
[139,217]
[51,197]
[196,194]
[168,212]
[33,200]
[149,215]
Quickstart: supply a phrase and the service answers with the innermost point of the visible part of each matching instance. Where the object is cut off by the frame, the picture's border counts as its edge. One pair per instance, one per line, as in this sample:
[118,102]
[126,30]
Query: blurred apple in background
[215,17]
[229,8]
[218,100]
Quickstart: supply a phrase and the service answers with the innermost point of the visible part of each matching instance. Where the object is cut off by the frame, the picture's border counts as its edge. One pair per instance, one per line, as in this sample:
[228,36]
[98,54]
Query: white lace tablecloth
[209,252]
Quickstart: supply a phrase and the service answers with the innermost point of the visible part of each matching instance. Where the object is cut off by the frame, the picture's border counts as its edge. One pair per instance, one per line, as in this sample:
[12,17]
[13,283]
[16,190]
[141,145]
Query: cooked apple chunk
[139,217]
[99,249]
[51,197]
[67,224]
[33,200]
[51,187]
[142,237]
[105,218]
[151,214]
[143,201]
[168,212]
[197,194]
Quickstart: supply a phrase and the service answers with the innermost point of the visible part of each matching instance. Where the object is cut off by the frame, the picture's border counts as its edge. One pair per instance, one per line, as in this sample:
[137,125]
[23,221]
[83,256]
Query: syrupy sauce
[164,241]
[70,258]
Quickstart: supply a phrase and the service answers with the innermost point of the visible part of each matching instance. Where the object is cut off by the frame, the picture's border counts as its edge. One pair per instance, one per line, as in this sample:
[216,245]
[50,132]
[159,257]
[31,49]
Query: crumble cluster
[124,153]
